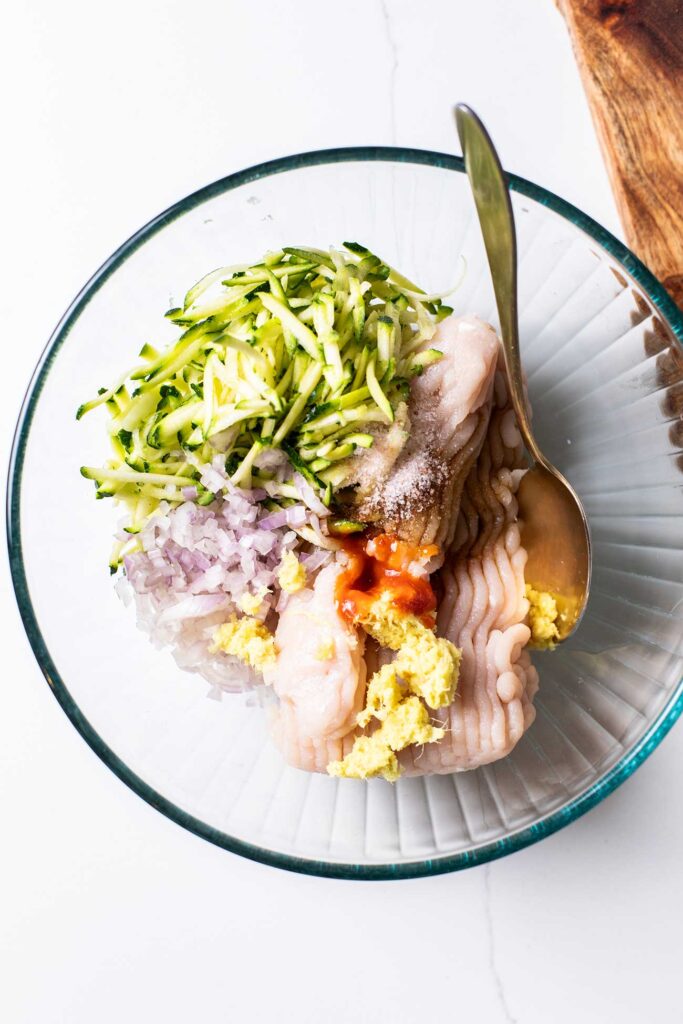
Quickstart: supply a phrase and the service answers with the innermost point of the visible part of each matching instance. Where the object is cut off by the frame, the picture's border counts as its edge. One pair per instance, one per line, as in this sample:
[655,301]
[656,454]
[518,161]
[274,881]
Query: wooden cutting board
[630,54]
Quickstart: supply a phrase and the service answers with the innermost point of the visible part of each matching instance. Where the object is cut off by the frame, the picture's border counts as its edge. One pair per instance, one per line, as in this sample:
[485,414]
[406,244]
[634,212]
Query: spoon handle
[494,209]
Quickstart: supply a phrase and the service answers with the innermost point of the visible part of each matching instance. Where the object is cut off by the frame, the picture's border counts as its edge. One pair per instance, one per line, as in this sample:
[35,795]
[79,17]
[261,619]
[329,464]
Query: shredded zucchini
[303,351]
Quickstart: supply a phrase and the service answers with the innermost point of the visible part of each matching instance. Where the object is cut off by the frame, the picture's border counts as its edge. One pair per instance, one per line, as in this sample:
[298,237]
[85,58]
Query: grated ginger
[291,574]
[247,639]
[425,669]
[543,618]
[250,603]
[427,663]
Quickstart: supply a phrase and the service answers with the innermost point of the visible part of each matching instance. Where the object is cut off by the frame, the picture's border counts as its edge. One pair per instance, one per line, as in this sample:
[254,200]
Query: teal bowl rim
[517,840]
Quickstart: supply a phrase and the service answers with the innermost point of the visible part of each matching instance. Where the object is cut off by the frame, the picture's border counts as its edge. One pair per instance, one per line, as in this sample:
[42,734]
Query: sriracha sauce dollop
[379,565]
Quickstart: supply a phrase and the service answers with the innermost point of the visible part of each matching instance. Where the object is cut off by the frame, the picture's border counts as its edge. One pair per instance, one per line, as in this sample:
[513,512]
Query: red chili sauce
[378,565]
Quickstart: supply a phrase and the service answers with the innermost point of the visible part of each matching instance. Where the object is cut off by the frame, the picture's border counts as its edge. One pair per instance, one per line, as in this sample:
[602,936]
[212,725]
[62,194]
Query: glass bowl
[601,346]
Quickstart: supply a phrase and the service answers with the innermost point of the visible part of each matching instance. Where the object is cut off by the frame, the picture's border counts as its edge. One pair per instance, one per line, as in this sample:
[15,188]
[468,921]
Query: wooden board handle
[630,55]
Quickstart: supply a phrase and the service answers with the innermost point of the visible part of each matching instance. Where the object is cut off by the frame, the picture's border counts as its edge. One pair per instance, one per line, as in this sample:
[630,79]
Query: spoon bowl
[554,524]
[558,556]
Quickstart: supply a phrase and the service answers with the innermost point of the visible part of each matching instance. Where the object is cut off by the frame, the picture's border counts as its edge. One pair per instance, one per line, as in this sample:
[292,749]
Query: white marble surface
[110,912]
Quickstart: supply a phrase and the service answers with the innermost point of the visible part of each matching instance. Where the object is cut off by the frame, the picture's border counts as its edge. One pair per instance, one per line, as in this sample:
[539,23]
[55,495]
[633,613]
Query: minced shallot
[196,563]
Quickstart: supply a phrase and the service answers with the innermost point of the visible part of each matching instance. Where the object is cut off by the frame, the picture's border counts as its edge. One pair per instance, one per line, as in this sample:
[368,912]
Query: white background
[109,912]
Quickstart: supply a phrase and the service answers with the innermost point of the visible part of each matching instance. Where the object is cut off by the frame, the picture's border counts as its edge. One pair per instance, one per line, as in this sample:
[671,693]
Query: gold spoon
[554,525]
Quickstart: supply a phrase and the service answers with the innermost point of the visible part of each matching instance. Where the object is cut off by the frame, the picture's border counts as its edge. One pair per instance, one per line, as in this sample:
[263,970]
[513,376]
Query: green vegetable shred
[304,351]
